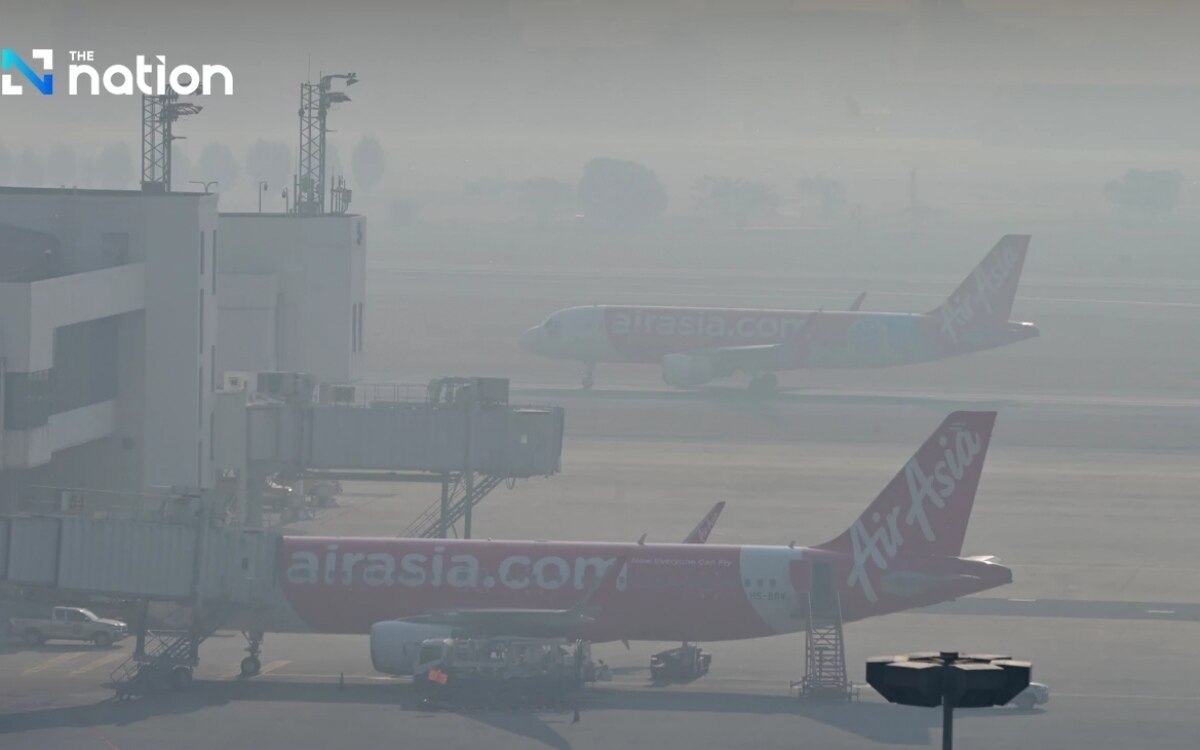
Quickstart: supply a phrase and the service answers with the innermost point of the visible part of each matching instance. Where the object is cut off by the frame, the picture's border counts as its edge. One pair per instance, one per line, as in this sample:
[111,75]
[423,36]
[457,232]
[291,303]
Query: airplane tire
[251,666]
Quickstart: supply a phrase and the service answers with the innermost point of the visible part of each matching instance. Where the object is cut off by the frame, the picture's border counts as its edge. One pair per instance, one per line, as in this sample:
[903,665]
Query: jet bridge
[459,433]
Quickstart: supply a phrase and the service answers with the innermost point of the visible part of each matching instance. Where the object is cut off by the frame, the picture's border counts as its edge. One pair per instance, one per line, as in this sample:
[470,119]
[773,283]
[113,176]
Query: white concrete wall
[249,323]
[158,426]
[319,263]
[29,312]
[181,331]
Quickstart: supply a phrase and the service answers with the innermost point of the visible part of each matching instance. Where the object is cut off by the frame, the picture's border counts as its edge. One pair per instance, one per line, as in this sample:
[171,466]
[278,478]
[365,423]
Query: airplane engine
[689,370]
[395,645]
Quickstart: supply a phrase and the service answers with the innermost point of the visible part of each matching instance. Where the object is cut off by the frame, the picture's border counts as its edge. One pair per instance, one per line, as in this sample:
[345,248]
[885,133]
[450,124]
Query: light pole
[203,184]
[315,101]
[262,188]
[949,680]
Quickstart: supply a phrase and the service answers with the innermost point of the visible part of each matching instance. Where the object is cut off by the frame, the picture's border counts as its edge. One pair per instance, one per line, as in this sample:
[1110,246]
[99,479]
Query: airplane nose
[529,339]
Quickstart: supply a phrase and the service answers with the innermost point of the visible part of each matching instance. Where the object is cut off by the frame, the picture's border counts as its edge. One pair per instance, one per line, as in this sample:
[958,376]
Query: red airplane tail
[984,299]
[924,510]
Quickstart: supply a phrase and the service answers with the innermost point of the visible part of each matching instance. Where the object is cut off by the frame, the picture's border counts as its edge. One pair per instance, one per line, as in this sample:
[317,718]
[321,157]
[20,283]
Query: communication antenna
[159,113]
[315,101]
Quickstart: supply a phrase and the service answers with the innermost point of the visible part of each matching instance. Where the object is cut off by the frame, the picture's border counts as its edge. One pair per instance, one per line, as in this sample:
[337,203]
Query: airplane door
[821,593]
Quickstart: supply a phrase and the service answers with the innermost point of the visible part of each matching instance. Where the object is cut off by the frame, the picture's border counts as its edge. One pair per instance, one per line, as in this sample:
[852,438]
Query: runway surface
[1090,493]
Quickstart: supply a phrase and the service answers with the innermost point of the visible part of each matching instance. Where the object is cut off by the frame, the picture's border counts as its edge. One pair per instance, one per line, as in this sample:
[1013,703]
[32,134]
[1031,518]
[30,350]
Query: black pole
[947,724]
[948,693]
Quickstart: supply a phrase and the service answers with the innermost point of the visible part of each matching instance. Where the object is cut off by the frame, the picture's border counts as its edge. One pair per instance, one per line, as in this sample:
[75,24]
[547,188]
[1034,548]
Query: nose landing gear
[252,665]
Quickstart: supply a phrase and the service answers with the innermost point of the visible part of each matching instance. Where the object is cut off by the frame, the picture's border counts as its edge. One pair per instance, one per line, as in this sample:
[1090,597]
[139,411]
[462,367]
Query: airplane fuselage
[821,339]
[678,592]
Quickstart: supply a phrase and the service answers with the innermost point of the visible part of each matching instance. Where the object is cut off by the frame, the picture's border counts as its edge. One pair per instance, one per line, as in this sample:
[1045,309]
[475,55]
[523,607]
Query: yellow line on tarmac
[55,662]
[114,657]
[271,666]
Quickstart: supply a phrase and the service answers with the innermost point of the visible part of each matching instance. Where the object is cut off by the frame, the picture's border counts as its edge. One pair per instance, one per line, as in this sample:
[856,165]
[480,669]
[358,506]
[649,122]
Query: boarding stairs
[166,661]
[825,650]
[429,524]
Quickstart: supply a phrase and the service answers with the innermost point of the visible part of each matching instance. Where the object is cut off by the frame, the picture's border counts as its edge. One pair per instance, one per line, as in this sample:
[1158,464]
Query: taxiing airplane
[696,345]
[902,552]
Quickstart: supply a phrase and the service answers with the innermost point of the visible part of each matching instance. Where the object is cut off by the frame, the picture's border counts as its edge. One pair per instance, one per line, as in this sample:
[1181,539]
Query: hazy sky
[538,86]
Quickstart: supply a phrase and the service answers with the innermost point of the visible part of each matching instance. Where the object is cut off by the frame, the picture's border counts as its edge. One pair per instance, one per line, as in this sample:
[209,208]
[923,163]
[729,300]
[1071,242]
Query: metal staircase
[824,643]
[167,662]
[168,657]
[428,524]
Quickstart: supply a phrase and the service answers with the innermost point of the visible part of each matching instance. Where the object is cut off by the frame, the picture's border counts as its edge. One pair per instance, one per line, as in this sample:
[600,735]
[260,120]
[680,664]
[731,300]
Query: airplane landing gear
[764,385]
[589,375]
[252,665]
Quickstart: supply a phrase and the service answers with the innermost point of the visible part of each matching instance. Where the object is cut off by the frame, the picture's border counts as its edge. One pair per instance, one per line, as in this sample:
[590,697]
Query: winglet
[857,303]
[699,535]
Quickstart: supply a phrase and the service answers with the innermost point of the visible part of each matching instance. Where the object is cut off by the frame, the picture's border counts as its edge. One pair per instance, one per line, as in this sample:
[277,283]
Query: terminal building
[111,306]
[108,335]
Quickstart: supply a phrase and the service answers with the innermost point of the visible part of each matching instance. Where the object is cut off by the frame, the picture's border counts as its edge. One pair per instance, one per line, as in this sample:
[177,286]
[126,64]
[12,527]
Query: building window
[203,252]
[28,399]
[353,328]
[201,323]
[200,398]
[212,368]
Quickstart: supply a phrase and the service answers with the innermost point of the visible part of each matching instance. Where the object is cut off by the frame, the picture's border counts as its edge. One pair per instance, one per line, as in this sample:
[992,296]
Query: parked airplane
[903,552]
[697,345]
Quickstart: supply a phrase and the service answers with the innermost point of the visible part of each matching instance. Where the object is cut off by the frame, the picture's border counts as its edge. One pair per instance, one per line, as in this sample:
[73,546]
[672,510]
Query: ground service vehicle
[686,662]
[69,624]
[501,672]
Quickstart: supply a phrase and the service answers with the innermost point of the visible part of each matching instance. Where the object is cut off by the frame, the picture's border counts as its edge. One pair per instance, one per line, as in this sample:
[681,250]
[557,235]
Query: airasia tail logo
[873,549]
[989,277]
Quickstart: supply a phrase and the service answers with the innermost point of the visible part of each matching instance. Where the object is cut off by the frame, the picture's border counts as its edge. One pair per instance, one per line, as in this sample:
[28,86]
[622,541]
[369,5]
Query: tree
[61,166]
[30,169]
[1146,191]
[270,162]
[620,194]
[114,167]
[735,199]
[547,199]
[369,162]
[831,193]
[218,163]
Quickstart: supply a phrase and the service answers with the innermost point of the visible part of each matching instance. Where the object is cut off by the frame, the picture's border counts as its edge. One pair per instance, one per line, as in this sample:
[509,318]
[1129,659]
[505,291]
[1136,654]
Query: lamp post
[203,184]
[262,188]
[949,680]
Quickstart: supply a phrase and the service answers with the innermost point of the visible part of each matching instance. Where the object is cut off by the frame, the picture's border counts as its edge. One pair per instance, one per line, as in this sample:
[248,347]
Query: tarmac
[1089,493]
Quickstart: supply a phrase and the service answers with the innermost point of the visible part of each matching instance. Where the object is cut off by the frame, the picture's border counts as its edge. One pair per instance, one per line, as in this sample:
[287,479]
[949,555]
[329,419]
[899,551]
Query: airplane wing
[522,622]
[699,366]
[699,535]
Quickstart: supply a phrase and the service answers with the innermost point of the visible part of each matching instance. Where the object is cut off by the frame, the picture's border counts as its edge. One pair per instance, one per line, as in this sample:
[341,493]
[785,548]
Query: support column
[442,525]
